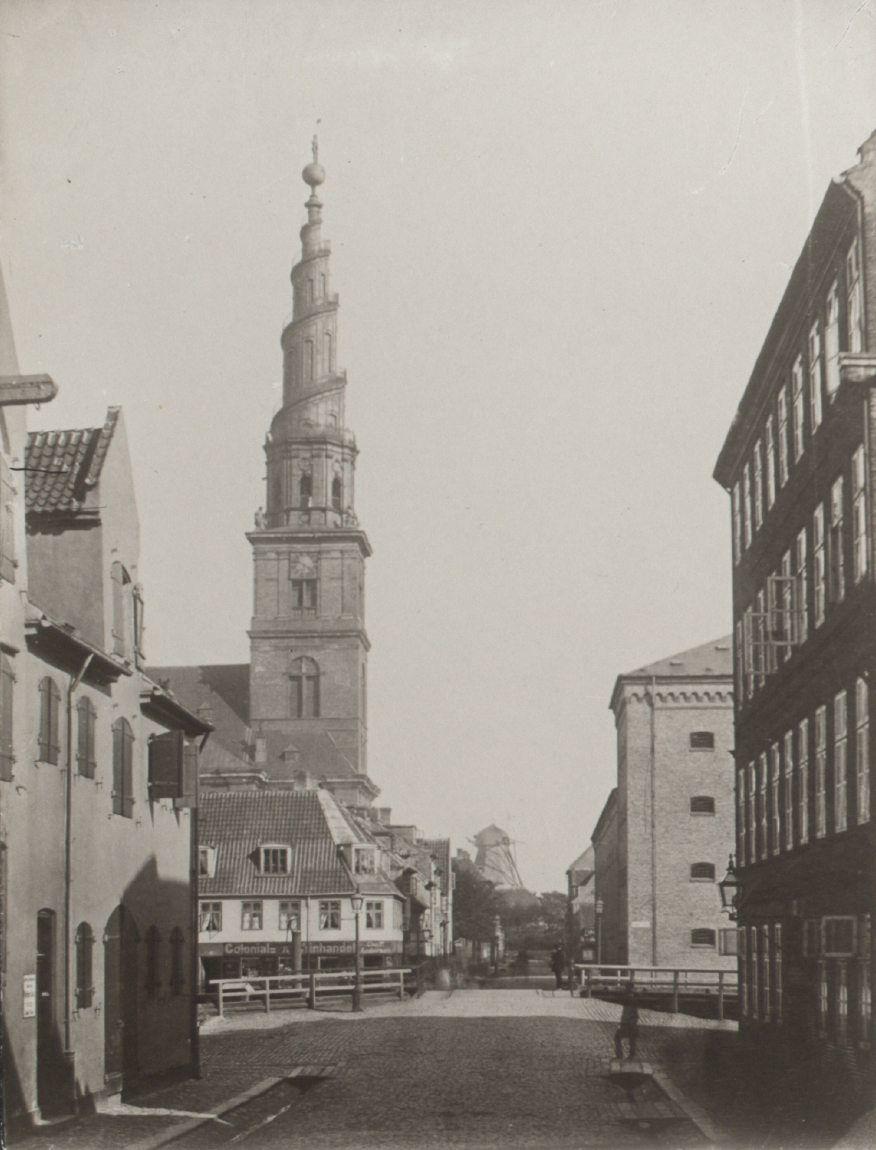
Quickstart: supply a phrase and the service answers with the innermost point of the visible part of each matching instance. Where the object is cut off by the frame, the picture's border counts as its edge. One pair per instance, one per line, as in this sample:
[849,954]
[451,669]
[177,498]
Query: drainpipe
[73,685]
[653,755]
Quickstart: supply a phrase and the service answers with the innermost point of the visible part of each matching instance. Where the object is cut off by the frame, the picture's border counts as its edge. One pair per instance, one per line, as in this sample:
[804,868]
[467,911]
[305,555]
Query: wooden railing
[672,981]
[287,989]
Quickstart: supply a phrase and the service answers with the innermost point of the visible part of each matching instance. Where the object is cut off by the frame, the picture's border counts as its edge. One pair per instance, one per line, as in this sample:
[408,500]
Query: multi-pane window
[762,805]
[50,708]
[754,993]
[820,772]
[842,1000]
[864,990]
[789,789]
[766,963]
[123,768]
[758,485]
[85,723]
[177,975]
[859,516]
[308,360]
[303,594]
[330,914]
[739,665]
[304,678]
[832,341]
[84,966]
[274,860]
[783,435]
[746,504]
[737,522]
[364,860]
[251,915]
[747,650]
[374,914]
[742,945]
[769,435]
[819,579]
[211,917]
[7,712]
[840,763]
[797,406]
[854,309]
[760,644]
[815,376]
[775,775]
[778,981]
[802,587]
[703,936]
[862,749]
[803,781]
[787,627]
[740,816]
[289,916]
[752,813]
[837,581]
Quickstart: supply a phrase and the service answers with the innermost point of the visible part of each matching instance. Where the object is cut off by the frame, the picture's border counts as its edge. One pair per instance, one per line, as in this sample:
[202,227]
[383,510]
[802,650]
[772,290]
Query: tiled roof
[237,823]
[64,466]
[220,694]
[715,658]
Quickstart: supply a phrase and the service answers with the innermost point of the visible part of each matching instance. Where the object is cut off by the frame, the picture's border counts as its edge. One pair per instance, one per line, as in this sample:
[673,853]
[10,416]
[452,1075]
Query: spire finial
[314,173]
[314,147]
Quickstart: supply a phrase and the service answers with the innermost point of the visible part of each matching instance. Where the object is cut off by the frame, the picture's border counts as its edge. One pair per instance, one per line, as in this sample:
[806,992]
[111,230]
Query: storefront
[264,959]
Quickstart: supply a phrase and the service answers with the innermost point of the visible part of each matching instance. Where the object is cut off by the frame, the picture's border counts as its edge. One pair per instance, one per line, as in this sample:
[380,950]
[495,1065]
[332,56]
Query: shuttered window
[7,523]
[84,966]
[85,723]
[123,754]
[50,707]
[7,744]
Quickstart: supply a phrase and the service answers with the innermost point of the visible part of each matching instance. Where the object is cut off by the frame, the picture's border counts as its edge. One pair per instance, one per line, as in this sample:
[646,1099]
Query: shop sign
[256,949]
[28,996]
[367,947]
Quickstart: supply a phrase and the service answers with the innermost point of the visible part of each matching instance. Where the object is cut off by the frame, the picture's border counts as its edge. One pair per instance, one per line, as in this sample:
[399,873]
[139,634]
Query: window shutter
[118,767]
[166,765]
[85,756]
[7,746]
[44,720]
[54,716]
[189,790]
[127,771]
[7,523]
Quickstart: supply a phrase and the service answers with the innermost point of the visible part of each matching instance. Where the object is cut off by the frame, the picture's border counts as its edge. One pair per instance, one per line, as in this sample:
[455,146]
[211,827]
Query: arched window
[85,756]
[702,872]
[308,360]
[328,352]
[177,975]
[121,581]
[123,757]
[50,707]
[337,493]
[305,489]
[310,290]
[84,979]
[702,805]
[153,952]
[304,677]
[703,936]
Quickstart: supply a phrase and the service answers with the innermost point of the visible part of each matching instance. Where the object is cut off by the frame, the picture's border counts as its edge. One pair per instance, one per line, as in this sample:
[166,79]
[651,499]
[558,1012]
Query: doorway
[120,940]
[52,1093]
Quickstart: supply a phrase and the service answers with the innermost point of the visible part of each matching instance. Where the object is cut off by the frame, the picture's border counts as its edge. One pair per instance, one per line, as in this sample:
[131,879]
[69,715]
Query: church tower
[308,645]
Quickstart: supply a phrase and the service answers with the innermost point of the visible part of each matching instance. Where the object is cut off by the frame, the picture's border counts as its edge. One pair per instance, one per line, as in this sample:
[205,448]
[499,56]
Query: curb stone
[181,1128]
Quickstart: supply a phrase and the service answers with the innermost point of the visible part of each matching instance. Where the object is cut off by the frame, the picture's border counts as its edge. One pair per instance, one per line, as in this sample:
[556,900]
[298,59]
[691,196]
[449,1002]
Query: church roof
[62,467]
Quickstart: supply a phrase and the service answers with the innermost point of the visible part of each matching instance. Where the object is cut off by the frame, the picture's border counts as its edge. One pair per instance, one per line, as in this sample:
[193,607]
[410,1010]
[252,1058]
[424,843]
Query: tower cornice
[291,533]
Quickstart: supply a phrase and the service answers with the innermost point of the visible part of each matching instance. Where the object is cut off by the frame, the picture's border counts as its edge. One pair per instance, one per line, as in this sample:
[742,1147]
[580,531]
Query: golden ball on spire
[314,173]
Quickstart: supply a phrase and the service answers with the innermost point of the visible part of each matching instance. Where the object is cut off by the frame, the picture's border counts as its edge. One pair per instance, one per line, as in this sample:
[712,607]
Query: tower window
[328,351]
[337,493]
[304,594]
[305,688]
[305,489]
[308,360]
[310,291]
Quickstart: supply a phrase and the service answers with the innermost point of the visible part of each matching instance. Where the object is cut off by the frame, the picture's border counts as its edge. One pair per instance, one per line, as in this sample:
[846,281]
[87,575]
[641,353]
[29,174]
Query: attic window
[207,862]
[363,860]
[274,860]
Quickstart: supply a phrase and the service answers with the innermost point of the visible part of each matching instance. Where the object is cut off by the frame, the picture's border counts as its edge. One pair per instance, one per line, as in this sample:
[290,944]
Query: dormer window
[364,860]
[207,862]
[274,859]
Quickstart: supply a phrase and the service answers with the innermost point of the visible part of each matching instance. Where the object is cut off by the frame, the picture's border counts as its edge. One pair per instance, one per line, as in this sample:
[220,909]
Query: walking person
[629,1024]
[558,964]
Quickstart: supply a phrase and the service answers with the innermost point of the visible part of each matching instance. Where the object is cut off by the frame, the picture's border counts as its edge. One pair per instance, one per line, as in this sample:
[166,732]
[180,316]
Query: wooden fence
[289,989]
[674,982]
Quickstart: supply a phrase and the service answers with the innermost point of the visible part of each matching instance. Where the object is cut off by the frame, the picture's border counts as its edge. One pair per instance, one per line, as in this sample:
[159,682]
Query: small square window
[702,872]
[702,805]
[702,740]
[702,936]
[728,940]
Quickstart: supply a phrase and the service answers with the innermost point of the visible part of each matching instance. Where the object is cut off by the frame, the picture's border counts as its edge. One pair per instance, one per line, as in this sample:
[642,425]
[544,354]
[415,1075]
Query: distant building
[98,781]
[495,858]
[798,464]
[581,895]
[663,839]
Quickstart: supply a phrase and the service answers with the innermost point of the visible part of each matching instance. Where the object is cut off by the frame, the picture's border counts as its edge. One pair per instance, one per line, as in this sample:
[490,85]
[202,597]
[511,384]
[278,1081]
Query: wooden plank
[16,390]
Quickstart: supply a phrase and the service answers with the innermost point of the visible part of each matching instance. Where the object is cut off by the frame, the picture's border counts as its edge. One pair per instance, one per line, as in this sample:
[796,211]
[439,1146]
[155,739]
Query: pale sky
[560,232]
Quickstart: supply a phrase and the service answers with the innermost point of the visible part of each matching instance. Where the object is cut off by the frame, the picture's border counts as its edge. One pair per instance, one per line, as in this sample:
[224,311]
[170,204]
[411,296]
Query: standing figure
[629,1024]
[558,964]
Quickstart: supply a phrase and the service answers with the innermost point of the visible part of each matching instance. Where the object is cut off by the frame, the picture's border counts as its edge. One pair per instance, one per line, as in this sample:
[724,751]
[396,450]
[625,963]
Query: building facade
[98,788]
[662,842]
[799,468]
[581,916]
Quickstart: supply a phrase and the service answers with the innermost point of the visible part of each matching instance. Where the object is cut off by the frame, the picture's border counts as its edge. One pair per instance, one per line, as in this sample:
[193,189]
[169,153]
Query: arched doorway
[120,973]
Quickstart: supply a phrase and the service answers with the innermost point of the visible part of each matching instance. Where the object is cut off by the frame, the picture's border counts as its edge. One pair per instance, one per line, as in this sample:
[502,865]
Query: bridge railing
[287,989]
[672,981]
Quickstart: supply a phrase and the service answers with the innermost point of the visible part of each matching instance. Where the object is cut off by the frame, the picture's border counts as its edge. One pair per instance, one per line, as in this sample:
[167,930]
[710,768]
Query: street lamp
[729,890]
[357,901]
[600,907]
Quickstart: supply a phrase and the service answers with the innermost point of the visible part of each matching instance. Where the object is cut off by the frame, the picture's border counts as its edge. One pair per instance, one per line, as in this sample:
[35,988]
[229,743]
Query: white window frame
[803,782]
[831,340]
[763,825]
[757,457]
[782,428]
[736,511]
[766,981]
[210,911]
[252,914]
[801,558]
[860,549]
[836,547]
[746,505]
[207,862]
[775,812]
[819,566]
[820,772]
[752,812]
[798,407]
[769,437]
[329,913]
[854,298]
[741,817]
[374,914]
[840,763]
[778,980]
[289,911]
[789,766]
[815,410]
[862,750]
[283,854]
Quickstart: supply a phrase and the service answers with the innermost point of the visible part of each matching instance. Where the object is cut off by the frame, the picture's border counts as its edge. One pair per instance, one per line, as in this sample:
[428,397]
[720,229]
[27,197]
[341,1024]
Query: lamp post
[357,901]
[600,907]
[729,890]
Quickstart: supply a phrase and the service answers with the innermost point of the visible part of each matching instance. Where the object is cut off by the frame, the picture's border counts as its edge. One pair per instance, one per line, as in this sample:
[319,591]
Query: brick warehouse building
[662,840]
[799,467]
